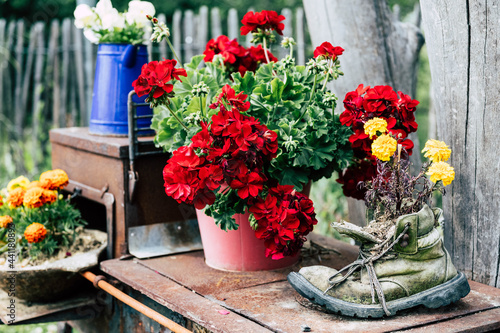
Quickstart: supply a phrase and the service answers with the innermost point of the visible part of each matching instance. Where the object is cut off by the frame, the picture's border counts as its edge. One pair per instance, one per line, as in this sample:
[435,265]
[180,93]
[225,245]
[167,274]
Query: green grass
[34,328]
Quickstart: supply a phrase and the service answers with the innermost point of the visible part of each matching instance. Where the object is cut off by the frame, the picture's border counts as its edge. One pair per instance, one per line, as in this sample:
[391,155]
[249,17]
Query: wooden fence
[47,73]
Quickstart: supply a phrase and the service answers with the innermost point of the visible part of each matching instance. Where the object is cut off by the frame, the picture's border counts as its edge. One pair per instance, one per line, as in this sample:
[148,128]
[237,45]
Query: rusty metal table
[265,302]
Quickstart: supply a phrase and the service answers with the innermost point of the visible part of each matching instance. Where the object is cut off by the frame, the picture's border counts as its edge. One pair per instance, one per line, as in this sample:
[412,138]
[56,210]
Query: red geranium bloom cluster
[155,78]
[284,218]
[236,57]
[327,50]
[231,149]
[366,103]
[265,20]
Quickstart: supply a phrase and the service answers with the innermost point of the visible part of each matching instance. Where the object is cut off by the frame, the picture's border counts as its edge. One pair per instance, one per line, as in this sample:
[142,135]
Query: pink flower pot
[236,250]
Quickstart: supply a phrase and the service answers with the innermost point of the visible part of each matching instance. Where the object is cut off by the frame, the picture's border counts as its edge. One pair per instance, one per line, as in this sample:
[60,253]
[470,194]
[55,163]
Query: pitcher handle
[129,56]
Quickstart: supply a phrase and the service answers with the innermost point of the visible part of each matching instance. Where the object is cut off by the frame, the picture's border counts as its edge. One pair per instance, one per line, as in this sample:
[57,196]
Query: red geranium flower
[378,99]
[156,76]
[229,97]
[230,50]
[248,184]
[327,50]
[265,20]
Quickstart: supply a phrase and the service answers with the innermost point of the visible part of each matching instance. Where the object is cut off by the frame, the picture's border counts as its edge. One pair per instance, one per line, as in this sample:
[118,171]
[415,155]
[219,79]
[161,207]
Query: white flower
[137,12]
[85,17]
[91,36]
[103,8]
[113,20]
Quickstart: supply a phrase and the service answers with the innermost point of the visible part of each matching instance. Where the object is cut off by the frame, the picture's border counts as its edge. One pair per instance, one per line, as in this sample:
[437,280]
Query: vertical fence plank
[177,33]
[299,33]
[37,93]
[18,69]
[26,86]
[53,72]
[162,47]
[233,30]
[188,29]
[89,75]
[65,45]
[79,66]
[3,55]
[215,23]
[7,62]
[202,30]
[287,32]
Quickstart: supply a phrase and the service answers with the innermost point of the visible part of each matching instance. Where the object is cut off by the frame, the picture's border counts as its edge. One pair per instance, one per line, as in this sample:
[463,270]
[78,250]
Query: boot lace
[367,261]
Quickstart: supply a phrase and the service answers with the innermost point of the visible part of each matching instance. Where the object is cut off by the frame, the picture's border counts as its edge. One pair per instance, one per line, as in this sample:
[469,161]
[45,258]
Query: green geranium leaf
[245,83]
[195,62]
[265,73]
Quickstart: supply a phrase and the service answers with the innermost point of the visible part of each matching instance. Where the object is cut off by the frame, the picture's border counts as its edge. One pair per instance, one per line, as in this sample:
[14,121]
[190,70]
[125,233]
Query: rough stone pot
[51,281]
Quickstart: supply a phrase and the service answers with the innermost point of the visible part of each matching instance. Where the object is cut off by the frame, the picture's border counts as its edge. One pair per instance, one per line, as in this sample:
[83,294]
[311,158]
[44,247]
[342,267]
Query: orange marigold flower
[35,233]
[16,197]
[1,201]
[54,179]
[5,221]
[34,197]
[49,196]
[34,183]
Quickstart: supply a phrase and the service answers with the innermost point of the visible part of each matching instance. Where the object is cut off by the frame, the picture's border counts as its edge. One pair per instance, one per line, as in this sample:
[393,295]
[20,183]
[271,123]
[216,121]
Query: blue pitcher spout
[129,56]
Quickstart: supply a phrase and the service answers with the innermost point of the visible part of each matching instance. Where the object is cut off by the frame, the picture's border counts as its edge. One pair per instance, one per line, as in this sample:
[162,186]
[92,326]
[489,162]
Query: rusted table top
[265,302]
[80,138]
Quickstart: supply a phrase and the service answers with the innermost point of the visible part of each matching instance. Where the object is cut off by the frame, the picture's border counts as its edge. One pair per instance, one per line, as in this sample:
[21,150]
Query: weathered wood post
[463,40]
[379,50]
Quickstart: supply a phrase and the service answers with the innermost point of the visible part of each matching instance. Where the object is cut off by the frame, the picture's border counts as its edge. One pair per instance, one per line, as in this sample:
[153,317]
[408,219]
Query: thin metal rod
[147,311]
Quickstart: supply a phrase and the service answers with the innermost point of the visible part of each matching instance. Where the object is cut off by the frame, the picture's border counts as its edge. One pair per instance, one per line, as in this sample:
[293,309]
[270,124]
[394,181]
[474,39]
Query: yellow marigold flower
[49,196]
[441,171]
[34,183]
[16,197]
[375,125]
[54,179]
[20,181]
[34,197]
[384,147]
[5,221]
[35,233]
[436,150]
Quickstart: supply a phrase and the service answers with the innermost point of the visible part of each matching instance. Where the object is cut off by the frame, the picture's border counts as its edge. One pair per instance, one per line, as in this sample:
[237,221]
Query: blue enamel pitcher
[117,66]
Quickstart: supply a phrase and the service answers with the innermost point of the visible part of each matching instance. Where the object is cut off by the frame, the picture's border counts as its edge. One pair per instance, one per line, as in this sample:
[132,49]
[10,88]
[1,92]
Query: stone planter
[53,280]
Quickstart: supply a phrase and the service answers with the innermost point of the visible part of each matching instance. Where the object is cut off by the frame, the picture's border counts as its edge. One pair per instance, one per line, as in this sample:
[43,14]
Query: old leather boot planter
[409,269]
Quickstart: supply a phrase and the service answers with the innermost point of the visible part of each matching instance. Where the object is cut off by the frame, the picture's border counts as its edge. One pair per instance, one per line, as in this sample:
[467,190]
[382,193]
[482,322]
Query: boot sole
[441,295]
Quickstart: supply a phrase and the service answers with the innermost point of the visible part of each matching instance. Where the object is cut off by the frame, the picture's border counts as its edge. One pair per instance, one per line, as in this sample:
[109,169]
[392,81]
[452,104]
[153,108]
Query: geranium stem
[176,118]
[173,51]
[201,106]
[326,81]
[313,90]
[264,44]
